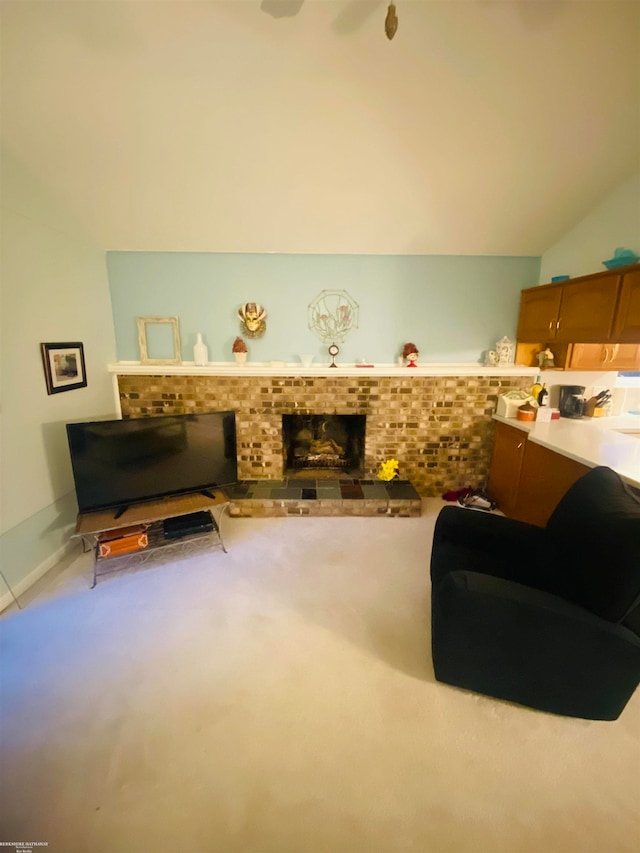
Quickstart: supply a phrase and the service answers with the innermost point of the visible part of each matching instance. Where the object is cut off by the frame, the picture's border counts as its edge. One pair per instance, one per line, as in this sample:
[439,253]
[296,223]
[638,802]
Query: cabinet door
[587,309]
[627,325]
[539,312]
[604,357]
[623,357]
[506,462]
[588,357]
[544,479]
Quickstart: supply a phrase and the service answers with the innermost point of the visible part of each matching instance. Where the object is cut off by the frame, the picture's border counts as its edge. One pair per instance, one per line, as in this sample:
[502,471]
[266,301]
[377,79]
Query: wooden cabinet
[603,308]
[506,464]
[539,312]
[587,309]
[527,480]
[581,310]
[604,357]
[627,323]
[544,478]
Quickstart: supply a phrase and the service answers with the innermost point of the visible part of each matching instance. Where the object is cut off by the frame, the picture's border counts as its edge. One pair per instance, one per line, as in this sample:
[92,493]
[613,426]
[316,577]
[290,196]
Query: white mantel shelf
[225,368]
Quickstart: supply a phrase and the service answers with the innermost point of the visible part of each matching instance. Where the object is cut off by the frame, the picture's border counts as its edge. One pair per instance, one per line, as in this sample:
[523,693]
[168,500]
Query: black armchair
[545,617]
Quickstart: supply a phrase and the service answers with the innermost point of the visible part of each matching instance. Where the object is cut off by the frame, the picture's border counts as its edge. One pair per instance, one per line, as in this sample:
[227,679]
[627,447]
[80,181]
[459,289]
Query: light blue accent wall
[452,307]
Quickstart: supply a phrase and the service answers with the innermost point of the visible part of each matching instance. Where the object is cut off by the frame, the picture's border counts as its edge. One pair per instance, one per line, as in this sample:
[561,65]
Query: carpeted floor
[279,699]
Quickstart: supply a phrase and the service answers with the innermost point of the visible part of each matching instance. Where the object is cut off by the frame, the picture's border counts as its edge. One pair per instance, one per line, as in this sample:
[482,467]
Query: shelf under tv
[90,525]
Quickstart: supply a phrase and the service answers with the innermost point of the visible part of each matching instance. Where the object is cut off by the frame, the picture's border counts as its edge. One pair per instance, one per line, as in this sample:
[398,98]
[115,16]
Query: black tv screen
[117,463]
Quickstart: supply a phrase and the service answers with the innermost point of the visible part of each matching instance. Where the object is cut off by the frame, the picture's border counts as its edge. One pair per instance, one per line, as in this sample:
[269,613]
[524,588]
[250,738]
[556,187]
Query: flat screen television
[118,463]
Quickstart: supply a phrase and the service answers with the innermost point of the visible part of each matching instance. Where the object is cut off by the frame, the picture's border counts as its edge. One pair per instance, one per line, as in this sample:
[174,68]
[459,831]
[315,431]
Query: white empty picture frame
[159,340]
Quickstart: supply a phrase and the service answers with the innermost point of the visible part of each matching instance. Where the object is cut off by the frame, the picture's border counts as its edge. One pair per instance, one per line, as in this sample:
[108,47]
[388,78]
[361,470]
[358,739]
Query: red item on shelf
[122,541]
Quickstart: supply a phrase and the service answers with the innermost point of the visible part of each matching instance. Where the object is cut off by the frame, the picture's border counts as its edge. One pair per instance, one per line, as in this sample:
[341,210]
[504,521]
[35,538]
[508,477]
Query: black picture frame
[64,367]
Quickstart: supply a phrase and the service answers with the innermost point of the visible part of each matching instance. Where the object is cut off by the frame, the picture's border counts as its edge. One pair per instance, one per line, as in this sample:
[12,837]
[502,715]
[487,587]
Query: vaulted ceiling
[483,127]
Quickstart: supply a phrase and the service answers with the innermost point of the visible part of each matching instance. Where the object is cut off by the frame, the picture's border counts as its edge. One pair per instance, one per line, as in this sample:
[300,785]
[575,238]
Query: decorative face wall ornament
[253,319]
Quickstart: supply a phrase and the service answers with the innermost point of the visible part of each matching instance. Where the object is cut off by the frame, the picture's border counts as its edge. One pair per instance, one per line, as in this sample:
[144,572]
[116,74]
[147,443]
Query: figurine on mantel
[239,350]
[410,354]
[505,348]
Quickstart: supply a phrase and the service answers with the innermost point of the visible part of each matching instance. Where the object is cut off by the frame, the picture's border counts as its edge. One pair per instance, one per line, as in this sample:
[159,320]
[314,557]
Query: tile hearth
[323,497]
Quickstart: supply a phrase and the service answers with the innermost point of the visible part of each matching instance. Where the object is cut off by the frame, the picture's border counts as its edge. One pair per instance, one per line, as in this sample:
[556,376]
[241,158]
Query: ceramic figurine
[545,358]
[504,348]
[239,350]
[410,354]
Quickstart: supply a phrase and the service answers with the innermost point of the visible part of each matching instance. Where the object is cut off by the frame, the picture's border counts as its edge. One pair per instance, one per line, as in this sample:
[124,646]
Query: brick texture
[438,427]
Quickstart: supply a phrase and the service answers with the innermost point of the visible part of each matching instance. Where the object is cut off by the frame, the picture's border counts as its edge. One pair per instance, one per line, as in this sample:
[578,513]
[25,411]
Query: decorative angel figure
[253,319]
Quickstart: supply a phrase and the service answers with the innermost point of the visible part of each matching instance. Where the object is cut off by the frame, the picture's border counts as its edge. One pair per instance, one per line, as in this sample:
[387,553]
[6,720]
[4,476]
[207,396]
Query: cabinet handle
[606,355]
[520,445]
[550,325]
[614,351]
[558,323]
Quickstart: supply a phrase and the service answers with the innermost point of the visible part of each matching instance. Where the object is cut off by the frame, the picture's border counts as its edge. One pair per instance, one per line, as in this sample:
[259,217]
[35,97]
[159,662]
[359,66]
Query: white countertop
[591,441]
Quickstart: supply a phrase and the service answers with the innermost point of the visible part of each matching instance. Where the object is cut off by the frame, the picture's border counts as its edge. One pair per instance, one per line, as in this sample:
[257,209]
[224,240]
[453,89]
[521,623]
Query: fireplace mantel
[281,368]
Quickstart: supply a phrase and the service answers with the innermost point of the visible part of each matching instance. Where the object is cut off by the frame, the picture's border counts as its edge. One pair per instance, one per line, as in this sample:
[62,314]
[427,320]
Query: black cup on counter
[572,403]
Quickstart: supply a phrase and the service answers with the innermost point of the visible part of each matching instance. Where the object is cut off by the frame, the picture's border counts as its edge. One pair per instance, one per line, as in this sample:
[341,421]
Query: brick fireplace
[438,427]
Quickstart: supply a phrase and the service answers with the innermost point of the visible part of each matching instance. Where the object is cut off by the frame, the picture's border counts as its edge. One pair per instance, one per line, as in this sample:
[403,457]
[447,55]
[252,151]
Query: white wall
[614,223]
[54,288]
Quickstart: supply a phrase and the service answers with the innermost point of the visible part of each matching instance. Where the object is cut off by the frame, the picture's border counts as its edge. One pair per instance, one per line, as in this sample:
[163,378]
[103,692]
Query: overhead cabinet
[591,322]
[627,322]
[539,313]
[582,310]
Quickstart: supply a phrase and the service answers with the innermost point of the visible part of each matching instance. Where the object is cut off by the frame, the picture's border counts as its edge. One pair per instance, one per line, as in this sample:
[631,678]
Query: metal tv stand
[152,514]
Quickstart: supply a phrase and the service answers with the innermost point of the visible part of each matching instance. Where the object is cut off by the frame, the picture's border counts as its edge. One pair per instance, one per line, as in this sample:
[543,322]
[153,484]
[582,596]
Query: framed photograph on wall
[64,367]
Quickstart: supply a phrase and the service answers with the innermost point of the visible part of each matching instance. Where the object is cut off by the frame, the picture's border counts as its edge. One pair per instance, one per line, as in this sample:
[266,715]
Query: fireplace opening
[327,445]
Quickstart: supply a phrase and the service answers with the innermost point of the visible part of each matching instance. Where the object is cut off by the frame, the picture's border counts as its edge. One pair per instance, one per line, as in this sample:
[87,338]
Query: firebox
[323,445]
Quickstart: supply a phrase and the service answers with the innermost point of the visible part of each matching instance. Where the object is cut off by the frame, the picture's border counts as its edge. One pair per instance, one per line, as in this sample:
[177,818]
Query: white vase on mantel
[200,352]
[241,357]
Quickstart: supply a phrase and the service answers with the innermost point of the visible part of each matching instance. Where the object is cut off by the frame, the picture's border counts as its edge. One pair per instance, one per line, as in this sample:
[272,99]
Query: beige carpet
[281,698]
